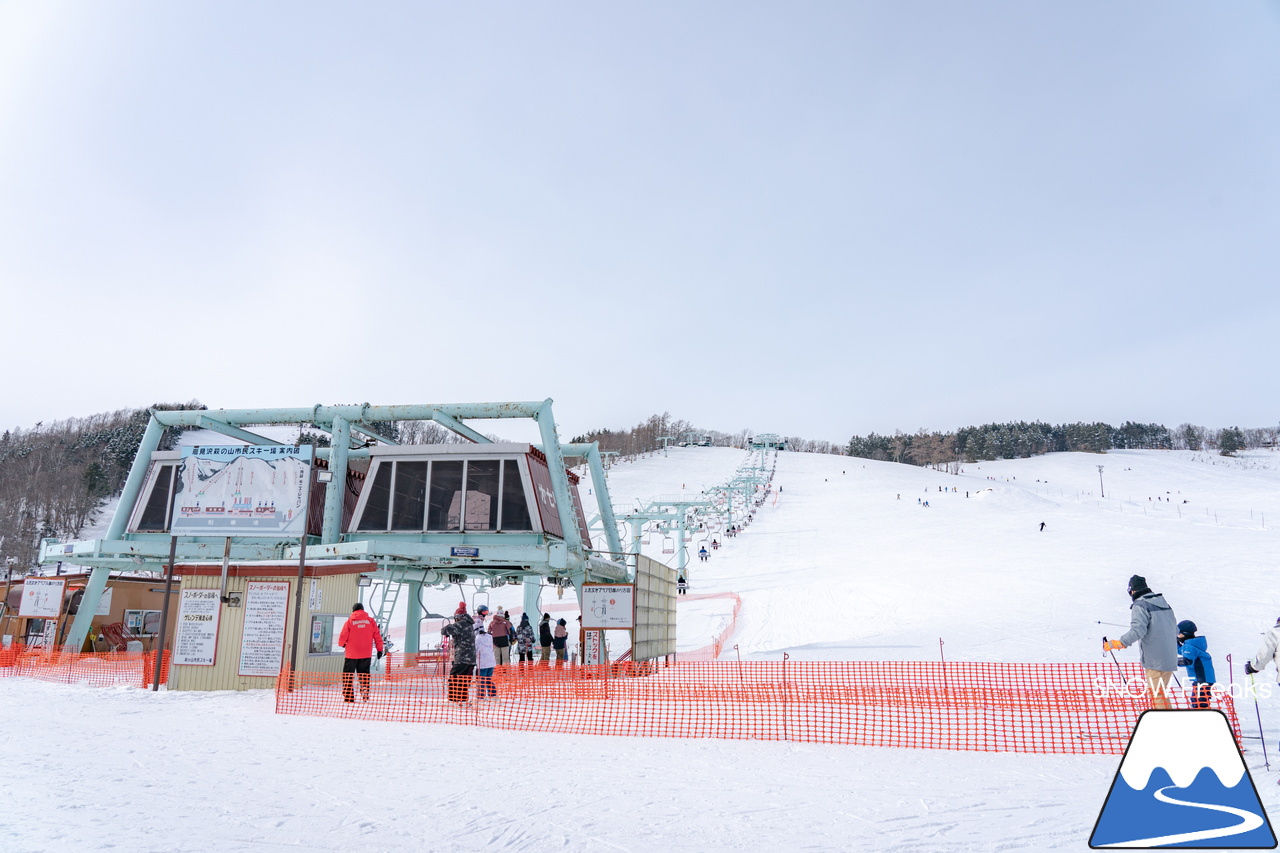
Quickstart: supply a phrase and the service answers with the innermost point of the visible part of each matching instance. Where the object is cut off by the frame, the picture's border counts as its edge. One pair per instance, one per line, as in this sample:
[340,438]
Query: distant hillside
[646,437]
[54,476]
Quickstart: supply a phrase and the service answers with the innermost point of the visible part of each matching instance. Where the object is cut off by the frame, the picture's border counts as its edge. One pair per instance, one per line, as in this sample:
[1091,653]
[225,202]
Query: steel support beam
[335,493]
[235,432]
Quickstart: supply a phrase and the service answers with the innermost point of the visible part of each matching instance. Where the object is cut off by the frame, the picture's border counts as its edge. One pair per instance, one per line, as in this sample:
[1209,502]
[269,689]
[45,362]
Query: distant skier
[682,586]
[1154,627]
[702,554]
[715,545]
[1193,653]
[1041,523]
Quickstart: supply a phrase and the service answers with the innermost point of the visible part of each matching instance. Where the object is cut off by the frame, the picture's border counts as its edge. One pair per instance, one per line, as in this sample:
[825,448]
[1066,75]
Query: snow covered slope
[840,567]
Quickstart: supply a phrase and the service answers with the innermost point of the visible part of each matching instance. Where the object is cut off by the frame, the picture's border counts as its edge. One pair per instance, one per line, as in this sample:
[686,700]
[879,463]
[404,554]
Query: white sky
[818,219]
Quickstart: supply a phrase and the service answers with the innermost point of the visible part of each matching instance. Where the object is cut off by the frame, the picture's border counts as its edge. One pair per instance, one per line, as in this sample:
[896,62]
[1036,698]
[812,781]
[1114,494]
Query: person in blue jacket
[1193,653]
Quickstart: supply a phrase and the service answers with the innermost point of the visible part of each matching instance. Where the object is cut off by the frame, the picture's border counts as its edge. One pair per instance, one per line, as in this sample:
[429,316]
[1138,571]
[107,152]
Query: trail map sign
[266,609]
[242,490]
[608,606]
[41,598]
[197,636]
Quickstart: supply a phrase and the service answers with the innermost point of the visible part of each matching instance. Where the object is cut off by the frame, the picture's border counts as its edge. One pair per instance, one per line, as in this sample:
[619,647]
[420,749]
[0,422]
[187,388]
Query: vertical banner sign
[592,645]
[41,598]
[242,490]
[266,609]
[197,639]
[104,603]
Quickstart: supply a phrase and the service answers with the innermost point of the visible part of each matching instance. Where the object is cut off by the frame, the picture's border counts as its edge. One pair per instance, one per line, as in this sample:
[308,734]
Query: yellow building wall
[331,594]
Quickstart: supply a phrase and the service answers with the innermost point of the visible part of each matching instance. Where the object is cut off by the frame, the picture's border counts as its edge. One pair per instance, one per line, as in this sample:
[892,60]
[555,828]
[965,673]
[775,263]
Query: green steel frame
[424,560]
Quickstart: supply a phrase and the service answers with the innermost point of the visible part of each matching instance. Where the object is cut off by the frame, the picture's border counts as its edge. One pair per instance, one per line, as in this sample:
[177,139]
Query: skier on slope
[1154,627]
[1193,653]
[1269,653]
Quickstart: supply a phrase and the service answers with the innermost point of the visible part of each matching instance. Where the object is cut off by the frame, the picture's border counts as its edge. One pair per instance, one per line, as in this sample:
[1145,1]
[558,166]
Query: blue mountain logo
[1183,783]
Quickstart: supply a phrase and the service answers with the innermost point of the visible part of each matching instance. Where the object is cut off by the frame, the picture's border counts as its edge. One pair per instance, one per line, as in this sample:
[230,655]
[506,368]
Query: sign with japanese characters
[242,490]
[41,598]
[266,610]
[608,605]
[197,635]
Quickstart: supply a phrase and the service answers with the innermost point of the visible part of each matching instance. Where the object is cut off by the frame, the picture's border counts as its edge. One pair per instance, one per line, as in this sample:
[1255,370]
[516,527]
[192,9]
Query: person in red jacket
[358,638]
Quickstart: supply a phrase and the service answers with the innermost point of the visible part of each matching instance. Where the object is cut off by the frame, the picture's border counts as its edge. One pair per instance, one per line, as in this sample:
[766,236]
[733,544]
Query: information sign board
[41,598]
[266,610]
[242,490]
[608,605]
[196,642]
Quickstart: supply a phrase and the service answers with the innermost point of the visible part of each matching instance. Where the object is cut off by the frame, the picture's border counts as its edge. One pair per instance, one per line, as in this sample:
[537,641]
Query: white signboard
[196,640]
[266,610]
[104,603]
[242,490]
[41,598]
[608,605]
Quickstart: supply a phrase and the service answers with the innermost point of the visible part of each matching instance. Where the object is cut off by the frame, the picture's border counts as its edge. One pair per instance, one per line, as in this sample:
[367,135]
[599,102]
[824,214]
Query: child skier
[1193,653]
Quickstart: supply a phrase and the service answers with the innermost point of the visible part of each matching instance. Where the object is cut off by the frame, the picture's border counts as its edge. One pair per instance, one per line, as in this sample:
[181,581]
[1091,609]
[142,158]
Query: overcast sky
[817,219]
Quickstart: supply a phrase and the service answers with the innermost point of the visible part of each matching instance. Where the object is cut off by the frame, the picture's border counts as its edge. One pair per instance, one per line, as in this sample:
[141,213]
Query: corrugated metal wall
[334,594]
[655,635]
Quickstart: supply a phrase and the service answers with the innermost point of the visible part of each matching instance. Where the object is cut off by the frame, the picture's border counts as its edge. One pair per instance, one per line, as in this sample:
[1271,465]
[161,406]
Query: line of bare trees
[54,477]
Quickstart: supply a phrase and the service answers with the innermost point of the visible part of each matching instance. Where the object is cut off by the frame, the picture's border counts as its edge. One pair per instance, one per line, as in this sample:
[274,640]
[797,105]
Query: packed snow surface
[844,562]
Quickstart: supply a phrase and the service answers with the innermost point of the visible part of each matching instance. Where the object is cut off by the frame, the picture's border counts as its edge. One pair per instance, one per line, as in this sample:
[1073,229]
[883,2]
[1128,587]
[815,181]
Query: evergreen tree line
[948,450]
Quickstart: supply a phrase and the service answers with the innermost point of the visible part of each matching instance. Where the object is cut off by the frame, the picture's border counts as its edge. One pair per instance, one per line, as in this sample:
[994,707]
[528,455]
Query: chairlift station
[435,515]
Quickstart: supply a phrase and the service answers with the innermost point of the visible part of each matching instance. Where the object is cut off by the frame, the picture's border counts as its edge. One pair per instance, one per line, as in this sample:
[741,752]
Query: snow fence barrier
[986,707]
[101,669]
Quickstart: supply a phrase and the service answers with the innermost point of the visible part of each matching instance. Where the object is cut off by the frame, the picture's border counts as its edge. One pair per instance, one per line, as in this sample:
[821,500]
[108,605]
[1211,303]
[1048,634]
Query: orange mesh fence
[716,647]
[1036,708]
[103,669]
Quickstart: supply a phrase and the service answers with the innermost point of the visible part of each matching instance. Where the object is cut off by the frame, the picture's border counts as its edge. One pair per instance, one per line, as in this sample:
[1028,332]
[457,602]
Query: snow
[839,568]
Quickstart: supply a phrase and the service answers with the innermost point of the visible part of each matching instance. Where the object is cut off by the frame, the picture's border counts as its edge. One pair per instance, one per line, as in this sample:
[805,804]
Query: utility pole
[1100,486]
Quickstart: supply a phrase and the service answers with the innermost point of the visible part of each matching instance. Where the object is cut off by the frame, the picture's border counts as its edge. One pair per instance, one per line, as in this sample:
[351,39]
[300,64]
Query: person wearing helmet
[1193,653]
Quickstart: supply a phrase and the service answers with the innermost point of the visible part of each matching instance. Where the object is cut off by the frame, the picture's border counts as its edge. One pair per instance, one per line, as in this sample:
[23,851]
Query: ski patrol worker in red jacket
[358,638]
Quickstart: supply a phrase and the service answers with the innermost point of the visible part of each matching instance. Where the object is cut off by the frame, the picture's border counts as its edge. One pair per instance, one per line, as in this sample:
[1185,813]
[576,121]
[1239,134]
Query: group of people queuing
[1164,644]
[479,649]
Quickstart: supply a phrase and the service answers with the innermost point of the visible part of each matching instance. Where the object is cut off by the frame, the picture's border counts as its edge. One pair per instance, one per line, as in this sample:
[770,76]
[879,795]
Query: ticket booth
[240,640]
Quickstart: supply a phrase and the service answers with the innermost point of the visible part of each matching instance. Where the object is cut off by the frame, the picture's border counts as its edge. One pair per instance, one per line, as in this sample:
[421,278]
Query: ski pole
[1265,760]
[1113,657]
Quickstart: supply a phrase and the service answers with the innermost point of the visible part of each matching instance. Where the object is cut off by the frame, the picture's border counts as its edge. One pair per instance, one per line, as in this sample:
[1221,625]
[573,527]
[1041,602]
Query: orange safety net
[101,669]
[717,645]
[992,707]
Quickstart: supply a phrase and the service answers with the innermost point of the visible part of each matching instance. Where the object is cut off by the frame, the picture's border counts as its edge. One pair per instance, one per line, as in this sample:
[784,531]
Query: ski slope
[839,567]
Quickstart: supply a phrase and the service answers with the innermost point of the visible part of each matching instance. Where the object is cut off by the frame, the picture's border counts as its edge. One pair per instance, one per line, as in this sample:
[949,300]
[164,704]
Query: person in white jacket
[486,661]
[1269,653]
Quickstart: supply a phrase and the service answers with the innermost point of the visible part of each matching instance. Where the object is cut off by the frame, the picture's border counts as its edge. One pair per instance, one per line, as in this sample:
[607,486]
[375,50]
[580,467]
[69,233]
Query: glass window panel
[411,496]
[375,508]
[153,515]
[515,510]
[482,494]
[445,510]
